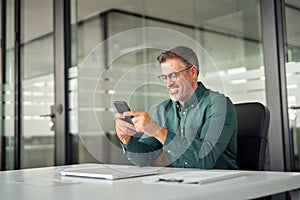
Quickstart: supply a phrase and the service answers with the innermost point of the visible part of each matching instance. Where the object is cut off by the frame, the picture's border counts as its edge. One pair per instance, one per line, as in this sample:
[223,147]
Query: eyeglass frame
[172,76]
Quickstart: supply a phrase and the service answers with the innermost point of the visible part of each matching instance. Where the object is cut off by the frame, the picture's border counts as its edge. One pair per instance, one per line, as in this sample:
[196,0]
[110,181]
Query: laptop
[114,172]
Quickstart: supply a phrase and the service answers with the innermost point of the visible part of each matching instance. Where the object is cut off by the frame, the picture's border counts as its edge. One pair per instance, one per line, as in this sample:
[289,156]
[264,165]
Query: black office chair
[253,125]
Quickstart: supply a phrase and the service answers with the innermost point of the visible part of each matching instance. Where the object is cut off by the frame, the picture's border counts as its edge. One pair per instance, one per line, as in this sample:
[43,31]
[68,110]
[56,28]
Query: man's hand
[144,123]
[124,130]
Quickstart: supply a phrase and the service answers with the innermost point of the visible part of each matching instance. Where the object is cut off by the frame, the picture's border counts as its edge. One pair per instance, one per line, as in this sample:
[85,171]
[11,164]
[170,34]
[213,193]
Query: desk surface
[45,184]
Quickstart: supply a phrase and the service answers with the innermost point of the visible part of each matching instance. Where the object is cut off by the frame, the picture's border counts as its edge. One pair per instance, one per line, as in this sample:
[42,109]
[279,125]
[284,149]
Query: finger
[126,128]
[128,131]
[125,132]
[121,122]
[119,116]
[121,132]
[132,113]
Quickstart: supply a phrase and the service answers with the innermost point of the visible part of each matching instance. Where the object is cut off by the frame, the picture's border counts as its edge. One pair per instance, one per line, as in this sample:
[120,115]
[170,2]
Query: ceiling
[222,15]
[237,17]
[229,16]
[234,17]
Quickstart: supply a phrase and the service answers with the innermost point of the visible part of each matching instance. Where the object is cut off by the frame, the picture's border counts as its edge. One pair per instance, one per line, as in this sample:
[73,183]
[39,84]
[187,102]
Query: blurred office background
[46,119]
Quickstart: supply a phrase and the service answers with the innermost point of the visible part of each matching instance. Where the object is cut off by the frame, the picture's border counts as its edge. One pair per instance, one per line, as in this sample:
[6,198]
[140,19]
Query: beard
[179,92]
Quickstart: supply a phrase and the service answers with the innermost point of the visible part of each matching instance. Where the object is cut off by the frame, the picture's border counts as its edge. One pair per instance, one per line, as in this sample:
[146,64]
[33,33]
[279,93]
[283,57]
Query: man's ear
[195,71]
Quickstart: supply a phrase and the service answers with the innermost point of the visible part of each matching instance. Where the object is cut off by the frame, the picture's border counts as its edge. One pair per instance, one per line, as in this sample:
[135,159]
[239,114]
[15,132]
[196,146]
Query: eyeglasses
[173,76]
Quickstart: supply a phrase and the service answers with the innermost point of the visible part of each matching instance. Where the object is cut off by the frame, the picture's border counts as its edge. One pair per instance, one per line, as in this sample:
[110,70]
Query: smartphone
[121,107]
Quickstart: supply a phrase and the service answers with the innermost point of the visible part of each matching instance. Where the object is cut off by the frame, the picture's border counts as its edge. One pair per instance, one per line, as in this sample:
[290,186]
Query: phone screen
[121,107]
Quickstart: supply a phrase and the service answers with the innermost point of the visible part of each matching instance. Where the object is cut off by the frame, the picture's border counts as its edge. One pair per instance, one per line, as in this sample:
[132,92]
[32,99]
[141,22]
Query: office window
[229,32]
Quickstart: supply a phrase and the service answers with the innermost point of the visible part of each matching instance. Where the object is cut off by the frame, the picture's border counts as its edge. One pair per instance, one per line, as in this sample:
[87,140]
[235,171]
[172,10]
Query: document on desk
[193,177]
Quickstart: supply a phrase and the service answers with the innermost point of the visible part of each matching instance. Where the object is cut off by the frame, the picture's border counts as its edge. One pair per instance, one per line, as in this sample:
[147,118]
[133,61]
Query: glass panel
[37,83]
[292,10]
[228,31]
[8,87]
[1,96]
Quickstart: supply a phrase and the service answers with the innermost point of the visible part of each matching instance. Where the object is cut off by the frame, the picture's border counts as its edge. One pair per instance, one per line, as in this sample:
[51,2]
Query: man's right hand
[124,130]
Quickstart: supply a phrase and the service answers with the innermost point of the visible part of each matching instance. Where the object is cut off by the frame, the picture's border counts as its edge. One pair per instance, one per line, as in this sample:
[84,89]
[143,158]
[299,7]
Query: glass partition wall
[8,90]
[292,11]
[1,64]
[221,28]
[37,84]
[27,85]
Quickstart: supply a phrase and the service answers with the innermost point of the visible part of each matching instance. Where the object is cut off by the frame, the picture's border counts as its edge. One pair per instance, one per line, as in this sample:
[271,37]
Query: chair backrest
[253,125]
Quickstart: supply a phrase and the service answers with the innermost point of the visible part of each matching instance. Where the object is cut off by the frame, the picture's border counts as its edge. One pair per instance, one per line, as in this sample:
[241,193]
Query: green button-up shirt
[201,134]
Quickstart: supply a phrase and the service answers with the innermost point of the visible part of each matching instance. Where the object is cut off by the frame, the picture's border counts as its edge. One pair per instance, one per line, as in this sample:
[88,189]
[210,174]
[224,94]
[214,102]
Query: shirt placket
[183,127]
[182,121]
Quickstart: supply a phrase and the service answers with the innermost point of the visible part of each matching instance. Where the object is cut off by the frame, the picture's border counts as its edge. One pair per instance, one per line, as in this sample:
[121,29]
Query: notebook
[109,173]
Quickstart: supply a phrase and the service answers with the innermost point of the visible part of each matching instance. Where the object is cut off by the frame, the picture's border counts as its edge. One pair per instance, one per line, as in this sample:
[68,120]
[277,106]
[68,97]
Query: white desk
[43,184]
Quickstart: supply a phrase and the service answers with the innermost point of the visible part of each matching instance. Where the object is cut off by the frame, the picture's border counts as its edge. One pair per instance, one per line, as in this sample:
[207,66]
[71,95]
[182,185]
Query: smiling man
[196,127]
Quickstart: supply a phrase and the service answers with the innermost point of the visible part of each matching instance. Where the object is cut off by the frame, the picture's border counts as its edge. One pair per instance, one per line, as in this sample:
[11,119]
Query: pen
[170,180]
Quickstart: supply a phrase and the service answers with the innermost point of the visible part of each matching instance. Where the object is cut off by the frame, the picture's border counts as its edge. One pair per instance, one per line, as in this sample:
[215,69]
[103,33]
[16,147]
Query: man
[196,127]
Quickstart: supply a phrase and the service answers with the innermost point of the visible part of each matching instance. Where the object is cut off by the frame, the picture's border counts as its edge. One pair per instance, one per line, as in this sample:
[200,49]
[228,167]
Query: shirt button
[169,151]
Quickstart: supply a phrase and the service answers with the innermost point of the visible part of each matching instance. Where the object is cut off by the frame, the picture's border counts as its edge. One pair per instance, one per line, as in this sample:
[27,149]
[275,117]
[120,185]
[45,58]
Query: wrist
[161,135]
[125,139]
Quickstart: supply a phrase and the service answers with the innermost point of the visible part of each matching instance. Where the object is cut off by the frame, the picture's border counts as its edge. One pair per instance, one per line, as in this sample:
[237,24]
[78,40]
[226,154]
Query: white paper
[193,177]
